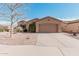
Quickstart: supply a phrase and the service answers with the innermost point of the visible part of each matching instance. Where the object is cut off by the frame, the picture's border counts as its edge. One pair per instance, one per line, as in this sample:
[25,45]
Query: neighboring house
[72,26]
[43,25]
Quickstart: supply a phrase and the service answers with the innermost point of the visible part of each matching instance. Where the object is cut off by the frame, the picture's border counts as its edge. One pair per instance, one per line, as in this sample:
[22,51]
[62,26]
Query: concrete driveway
[48,44]
[68,46]
[57,40]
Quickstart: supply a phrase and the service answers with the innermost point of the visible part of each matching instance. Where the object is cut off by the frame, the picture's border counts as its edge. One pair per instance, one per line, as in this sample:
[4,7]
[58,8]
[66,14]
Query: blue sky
[63,11]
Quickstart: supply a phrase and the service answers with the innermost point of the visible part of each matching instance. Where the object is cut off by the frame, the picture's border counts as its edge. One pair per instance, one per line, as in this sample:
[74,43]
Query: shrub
[32,27]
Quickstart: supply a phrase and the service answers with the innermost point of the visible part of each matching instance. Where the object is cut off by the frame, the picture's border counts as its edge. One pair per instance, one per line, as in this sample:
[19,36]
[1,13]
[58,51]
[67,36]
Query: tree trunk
[11,31]
[11,27]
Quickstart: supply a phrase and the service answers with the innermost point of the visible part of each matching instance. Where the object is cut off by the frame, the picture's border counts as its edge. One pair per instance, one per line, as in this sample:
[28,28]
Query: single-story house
[72,26]
[49,24]
[45,25]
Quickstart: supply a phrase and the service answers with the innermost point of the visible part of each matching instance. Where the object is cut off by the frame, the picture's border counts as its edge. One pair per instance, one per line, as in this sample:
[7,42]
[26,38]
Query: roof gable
[48,17]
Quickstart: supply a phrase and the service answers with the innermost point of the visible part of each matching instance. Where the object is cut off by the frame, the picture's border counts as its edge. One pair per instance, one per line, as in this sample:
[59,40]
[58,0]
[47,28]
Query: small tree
[13,15]
[32,27]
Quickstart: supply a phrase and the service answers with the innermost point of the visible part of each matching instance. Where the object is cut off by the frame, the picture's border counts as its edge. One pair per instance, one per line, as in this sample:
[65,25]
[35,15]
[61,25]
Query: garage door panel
[47,27]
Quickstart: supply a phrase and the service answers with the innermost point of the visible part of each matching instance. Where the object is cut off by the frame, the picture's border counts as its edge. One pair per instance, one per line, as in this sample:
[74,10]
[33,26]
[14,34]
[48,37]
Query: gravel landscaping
[18,39]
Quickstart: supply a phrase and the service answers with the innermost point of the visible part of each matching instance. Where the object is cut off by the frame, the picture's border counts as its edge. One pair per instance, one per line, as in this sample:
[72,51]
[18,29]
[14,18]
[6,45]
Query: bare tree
[13,14]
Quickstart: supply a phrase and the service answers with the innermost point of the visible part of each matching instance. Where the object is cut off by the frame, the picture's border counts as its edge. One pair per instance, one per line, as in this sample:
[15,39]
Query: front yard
[41,39]
[41,44]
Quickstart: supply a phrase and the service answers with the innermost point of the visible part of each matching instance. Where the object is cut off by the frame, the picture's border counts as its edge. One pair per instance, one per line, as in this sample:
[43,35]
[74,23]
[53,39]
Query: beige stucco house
[49,25]
[46,25]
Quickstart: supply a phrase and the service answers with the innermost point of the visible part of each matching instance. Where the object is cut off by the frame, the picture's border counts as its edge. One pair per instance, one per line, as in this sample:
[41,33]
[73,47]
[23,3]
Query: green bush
[32,27]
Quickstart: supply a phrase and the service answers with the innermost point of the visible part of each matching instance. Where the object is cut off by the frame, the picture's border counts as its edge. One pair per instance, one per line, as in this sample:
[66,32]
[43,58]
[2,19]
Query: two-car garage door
[48,28]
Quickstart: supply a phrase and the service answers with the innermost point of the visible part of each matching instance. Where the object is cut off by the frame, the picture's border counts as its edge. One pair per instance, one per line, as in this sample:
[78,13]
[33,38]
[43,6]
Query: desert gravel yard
[43,44]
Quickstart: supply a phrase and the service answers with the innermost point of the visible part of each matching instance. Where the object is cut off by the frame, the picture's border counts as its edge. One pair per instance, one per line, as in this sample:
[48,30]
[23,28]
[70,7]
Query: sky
[62,11]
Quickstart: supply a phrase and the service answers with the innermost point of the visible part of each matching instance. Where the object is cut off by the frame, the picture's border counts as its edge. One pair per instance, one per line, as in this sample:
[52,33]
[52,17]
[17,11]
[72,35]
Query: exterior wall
[37,27]
[63,27]
[72,27]
[59,28]
[49,20]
